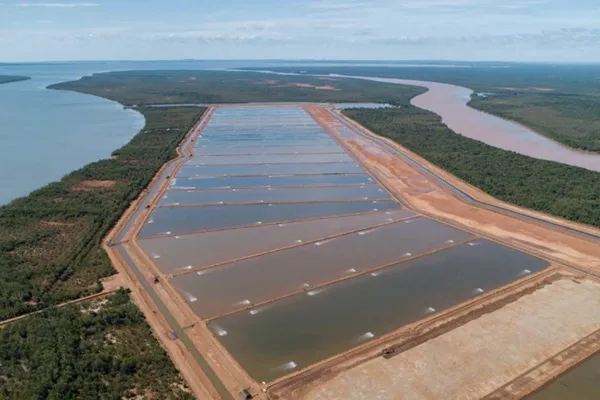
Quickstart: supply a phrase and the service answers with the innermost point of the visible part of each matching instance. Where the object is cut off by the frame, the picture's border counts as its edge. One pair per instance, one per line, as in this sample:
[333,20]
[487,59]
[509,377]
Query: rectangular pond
[266,159]
[179,220]
[267,181]
[295,332]
[202,143]
[225,288]
[190,170]
[179,254]
[273,195]
[238,150]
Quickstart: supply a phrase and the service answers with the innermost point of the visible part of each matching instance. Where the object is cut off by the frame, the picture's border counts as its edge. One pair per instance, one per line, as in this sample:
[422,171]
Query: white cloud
[57,5]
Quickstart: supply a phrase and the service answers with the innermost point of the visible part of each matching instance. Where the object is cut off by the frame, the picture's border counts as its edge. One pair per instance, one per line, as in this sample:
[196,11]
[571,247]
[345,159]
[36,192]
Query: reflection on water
[204,249]
[174,220]
[313,264]
[307,329]
[271,181]
[276,195]
[188,170]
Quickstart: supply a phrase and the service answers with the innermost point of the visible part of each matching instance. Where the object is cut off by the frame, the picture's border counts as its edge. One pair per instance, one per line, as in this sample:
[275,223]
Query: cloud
[56,5]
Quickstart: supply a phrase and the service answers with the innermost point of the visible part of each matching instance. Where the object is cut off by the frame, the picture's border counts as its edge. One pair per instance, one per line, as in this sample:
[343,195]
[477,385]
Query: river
[450,103]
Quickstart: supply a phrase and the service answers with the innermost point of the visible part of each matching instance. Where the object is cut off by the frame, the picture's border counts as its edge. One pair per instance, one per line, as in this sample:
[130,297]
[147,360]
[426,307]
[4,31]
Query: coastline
[12,78]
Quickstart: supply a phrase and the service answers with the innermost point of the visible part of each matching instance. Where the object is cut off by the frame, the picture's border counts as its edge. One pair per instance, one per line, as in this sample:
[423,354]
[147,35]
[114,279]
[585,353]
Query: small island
[12,78]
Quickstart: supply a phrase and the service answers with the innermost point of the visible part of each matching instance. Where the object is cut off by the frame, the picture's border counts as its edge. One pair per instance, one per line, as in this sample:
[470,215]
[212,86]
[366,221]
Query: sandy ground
[477,358]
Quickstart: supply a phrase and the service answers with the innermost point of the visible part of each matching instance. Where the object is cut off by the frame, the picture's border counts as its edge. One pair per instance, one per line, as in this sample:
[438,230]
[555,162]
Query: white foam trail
[315,292]
[299,241]
[167,233]
[366,336]
[375,209]
[177,237]
[322,242]
[191,298]
[234,190]
[376,273]
[524,272]
[280,225]
[220,331]
[151,221]
[243,303]
[406,254]
[305,285]
[473,244]
[430,310]
[165,196]
[350,271]
[408,221]
[155,256]
[259,223]
[173,182]
[286,367]
[478,291]
[199,273]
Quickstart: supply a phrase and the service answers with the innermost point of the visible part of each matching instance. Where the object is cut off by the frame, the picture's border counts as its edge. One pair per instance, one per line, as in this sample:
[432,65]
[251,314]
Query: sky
[471,30]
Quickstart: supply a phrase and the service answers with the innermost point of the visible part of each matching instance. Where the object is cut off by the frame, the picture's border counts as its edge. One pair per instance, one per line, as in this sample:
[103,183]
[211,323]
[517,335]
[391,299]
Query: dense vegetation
[50,241]
[99,349]
[155,87]
[558,189]
[559,101]
[11,78]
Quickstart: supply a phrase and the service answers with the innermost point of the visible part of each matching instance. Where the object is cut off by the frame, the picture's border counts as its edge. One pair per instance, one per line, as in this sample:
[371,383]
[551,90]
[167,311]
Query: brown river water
[450,103]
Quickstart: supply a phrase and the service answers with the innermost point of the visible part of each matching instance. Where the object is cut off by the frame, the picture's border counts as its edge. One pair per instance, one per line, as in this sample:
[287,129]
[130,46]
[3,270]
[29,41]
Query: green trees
[11,78]
[99,349]
[558,189]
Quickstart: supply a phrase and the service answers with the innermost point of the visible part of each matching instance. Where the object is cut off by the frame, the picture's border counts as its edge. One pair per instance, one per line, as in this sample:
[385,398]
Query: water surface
[273,195]
[271,181]
[295,332]
[179,220]
[204,249]
[224,289]
[191,170]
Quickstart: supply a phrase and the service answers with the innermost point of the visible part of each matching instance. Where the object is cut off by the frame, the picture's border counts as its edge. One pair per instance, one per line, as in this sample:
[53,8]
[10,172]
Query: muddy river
[450,103]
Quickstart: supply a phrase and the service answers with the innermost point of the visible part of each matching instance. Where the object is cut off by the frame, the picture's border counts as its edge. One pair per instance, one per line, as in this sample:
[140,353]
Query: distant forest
[168,87]
[10,78]
[559,101]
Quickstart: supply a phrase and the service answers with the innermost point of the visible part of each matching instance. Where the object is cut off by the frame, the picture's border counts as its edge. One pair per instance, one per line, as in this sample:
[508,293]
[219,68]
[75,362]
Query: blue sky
[512,30]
